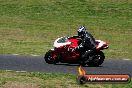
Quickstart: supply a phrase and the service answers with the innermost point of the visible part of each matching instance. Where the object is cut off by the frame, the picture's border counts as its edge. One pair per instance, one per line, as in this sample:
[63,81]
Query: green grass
[30,26]
[50,80]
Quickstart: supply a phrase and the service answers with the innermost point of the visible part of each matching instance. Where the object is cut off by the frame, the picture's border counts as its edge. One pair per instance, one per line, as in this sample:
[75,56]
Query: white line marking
[21,71]
[34,55]
[15,71]
[126,59]
[8,70]
[15,54]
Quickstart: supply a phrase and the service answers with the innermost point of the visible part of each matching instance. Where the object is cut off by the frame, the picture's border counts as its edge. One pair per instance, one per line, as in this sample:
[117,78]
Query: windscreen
[62,40]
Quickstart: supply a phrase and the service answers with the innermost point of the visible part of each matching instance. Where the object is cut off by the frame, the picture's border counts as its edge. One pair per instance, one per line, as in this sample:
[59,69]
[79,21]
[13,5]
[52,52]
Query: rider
[87,45]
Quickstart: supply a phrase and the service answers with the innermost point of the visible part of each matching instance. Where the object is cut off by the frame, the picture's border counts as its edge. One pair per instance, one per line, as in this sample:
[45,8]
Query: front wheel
[97,59]
[49,58]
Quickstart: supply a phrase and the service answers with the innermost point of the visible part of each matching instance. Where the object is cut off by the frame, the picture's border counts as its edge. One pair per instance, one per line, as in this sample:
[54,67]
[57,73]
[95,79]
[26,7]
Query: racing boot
[85,57]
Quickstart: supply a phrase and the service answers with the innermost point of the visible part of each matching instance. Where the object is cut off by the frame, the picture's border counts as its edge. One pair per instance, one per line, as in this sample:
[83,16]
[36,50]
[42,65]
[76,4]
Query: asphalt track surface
[37,64]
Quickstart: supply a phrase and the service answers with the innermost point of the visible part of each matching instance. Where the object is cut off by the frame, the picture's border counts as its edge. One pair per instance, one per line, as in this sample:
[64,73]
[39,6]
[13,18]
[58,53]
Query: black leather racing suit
[87,45]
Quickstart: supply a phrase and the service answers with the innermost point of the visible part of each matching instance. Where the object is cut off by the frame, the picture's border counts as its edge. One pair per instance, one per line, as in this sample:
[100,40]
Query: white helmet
[81,31]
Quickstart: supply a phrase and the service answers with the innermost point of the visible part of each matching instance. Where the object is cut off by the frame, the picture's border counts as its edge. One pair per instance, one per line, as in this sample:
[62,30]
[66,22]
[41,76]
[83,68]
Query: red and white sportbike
[62,52]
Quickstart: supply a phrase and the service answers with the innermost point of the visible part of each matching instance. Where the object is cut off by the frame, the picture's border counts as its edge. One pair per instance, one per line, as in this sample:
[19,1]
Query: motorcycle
[62,52]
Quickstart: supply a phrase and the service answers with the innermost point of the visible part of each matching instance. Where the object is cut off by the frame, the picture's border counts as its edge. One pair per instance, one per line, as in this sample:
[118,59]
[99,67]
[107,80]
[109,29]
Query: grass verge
[48,80]
[30,27]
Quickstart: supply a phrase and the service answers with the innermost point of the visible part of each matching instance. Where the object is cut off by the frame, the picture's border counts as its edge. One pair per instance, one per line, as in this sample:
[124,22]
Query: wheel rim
[97,58]
[50,59]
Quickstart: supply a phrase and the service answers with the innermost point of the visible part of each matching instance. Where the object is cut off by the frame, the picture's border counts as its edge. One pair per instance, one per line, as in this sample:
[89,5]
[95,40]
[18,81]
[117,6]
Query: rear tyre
[97,59]
[49,58]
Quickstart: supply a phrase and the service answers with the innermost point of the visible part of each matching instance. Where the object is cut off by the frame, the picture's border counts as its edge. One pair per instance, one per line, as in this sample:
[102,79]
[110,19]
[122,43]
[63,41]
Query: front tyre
[49,57]
[97,59]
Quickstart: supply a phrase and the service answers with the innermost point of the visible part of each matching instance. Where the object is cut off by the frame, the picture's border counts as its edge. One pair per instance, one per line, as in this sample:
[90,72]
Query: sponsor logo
[83,78]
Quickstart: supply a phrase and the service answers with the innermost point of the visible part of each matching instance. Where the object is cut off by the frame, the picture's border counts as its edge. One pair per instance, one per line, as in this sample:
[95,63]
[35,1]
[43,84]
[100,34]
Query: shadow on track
[67,64]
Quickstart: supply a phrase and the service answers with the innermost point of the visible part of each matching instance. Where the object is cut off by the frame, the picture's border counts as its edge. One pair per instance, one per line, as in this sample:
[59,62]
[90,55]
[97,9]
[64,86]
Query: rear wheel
[49,58]
[97,59]
[83,64]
